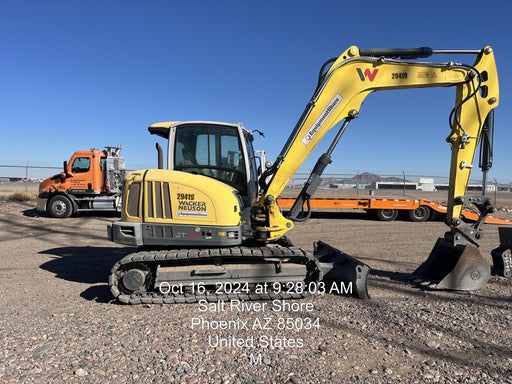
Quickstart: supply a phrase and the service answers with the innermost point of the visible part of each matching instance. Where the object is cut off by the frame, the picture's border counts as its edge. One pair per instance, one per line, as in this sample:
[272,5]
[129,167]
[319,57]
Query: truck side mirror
[65,164]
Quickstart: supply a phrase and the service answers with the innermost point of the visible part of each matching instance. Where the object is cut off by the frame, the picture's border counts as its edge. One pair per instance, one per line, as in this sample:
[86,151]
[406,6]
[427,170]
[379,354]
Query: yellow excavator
[209,225]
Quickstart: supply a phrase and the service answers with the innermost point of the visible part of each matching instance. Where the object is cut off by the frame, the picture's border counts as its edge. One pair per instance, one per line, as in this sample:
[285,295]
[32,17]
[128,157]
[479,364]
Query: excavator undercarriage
[235,273]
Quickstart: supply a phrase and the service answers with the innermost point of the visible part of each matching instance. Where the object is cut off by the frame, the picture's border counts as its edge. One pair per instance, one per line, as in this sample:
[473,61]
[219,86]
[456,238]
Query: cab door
[82,174]
[213,150]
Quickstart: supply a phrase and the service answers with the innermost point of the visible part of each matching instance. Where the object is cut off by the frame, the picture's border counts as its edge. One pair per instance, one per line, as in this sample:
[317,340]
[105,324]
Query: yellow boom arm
[339,95]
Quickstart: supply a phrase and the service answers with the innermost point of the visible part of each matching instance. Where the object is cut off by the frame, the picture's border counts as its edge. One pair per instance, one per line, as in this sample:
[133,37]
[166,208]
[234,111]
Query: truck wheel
[386,214]
[60,207]
[420,214]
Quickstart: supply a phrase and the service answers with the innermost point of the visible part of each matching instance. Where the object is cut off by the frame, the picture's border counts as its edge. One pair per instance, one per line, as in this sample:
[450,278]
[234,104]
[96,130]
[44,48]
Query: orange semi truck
[91,180]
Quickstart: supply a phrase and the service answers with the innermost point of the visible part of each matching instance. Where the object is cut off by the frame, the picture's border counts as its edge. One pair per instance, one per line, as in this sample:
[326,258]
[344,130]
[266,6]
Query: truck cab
[91,180]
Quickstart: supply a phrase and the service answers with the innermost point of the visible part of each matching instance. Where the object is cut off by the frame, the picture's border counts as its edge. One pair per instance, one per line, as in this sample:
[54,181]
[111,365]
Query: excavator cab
[221,151]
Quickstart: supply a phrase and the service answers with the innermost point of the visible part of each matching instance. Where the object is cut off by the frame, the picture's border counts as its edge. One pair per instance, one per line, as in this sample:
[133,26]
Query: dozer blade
[459,267]
[346,273]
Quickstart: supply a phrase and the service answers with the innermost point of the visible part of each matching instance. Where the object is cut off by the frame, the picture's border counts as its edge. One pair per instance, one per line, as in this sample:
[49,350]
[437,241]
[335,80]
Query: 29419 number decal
[185,196]
[396,75]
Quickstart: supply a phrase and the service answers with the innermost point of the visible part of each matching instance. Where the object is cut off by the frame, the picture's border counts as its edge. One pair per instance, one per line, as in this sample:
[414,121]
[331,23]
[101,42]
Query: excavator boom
[341,90]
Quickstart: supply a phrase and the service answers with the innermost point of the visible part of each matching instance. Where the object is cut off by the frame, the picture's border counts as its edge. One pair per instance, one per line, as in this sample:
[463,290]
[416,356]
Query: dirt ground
[58,322]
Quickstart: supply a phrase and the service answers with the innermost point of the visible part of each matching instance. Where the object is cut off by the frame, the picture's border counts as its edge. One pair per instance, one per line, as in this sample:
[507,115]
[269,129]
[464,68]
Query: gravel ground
[58,323]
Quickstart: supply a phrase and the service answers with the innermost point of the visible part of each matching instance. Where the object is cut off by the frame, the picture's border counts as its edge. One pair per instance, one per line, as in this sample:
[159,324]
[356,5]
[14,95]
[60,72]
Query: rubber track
[149,258]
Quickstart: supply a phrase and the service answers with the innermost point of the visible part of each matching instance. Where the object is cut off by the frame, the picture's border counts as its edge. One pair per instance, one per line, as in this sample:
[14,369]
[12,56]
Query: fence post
[26,177]
[404,181]
[357,184]
[495,193]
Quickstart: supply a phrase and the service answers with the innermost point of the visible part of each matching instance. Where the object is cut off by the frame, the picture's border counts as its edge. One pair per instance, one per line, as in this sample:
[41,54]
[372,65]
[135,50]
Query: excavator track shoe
[460,268]
[502,256]
[339,268]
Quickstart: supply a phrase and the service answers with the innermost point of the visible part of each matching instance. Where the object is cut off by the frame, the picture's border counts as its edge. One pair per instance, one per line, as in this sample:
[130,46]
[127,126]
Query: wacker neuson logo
[321,119]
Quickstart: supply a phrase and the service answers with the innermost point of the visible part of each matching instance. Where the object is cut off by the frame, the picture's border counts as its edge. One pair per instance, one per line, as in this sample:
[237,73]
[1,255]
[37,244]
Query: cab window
[80,165]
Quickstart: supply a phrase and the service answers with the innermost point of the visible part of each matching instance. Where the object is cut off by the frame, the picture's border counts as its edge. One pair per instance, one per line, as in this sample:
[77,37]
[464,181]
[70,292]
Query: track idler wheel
[459,267]
[134,279]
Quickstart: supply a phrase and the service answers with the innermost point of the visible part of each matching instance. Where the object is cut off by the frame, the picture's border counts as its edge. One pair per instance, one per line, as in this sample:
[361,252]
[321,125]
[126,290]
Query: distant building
[426,184]
[345,186]
[394,185]
[471,187]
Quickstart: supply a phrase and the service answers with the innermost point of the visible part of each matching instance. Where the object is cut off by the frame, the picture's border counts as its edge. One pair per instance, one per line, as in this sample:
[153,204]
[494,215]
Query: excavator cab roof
[162,129]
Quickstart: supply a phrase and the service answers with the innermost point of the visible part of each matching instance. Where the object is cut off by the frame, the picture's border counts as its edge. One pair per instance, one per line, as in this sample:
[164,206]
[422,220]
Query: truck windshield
[213,151]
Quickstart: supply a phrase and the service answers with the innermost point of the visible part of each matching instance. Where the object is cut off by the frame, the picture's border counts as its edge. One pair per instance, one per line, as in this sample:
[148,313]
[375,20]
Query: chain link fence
[404,181]
[32,172]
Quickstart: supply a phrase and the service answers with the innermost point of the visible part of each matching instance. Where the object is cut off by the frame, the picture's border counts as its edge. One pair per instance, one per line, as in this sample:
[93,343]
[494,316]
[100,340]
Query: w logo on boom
[367,73]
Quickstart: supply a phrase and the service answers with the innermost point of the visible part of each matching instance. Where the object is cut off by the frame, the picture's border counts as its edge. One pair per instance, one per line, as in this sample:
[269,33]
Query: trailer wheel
[386,214]
[420,214]
[433,215]
[60,207]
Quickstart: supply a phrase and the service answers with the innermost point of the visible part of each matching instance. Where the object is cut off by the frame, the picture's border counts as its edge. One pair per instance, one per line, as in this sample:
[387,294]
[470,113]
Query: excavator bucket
[459,267]
[347,274]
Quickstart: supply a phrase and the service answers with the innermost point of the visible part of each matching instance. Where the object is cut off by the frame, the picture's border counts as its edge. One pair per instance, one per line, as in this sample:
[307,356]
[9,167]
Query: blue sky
[82,74]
